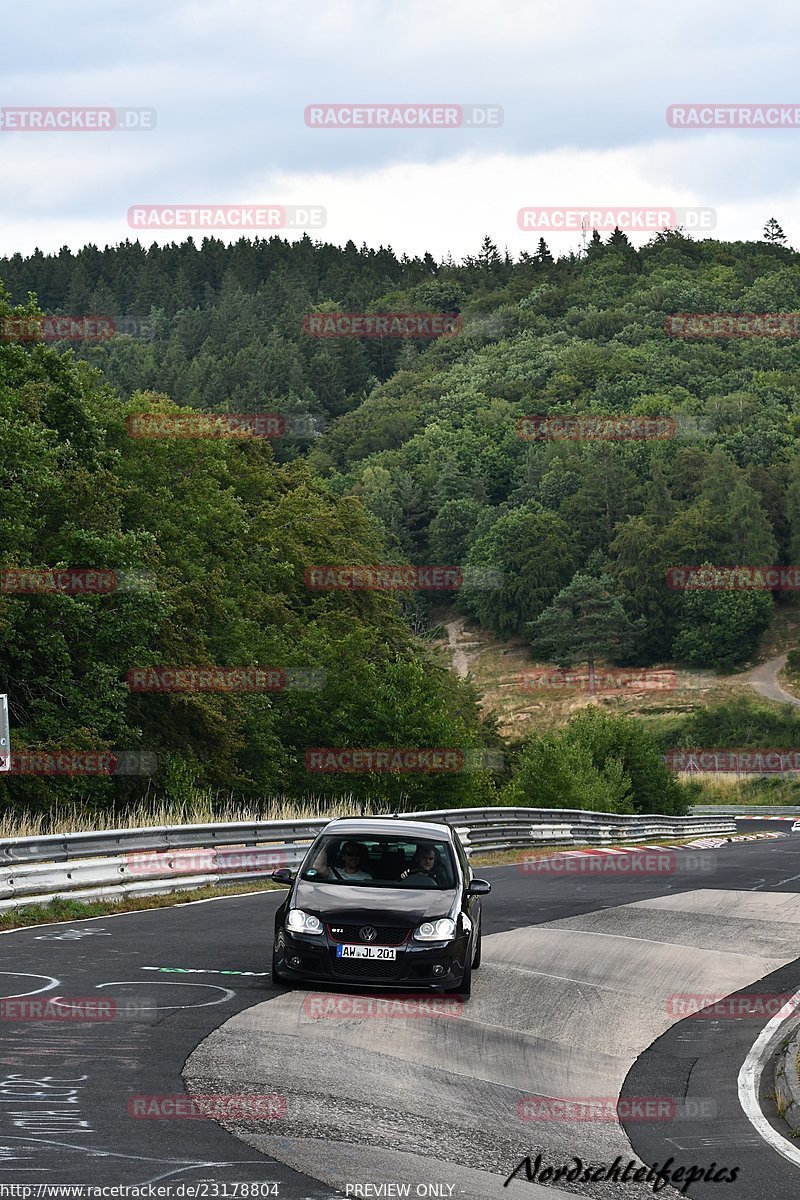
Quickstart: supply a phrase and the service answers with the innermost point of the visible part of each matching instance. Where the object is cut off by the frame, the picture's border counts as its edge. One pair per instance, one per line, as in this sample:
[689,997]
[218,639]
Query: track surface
[571,1001]
[764,679]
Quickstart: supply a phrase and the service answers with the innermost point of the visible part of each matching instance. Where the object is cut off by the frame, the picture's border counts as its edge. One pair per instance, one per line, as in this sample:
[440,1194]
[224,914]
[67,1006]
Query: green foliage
[600,762]
[419,458]
[453,530]
[738,723]
[654,789]
[525,558]
[215,538]
[720,628]
[552,772]
[585,620]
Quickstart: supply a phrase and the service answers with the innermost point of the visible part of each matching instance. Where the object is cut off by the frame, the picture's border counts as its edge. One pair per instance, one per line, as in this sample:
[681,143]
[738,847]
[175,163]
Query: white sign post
[5,736]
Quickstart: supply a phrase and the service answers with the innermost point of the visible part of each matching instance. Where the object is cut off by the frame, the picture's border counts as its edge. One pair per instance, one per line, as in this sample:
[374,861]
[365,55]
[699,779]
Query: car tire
[464,988]
[278,977]
[476,961]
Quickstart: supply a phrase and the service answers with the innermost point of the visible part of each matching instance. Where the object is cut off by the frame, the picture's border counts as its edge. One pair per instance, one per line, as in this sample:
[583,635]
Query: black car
[380,902]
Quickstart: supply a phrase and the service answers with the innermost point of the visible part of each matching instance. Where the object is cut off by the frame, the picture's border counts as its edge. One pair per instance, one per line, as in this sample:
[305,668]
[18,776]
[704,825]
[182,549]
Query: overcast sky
[583,86]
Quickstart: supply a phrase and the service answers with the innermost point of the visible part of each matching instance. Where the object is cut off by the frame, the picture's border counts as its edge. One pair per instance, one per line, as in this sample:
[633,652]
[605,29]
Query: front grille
[365,968]
[387,935]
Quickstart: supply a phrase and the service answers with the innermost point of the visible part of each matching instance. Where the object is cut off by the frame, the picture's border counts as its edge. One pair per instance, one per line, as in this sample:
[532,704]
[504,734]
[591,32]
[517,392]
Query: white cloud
[584,89]
[446,206]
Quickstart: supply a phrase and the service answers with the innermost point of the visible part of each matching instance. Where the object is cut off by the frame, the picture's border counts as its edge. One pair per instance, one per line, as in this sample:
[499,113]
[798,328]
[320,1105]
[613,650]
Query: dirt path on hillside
[455,630]
[765,681]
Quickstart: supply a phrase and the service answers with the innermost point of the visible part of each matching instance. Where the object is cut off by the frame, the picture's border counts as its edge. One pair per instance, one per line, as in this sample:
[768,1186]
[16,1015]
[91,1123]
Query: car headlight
[302,922]
[436,931]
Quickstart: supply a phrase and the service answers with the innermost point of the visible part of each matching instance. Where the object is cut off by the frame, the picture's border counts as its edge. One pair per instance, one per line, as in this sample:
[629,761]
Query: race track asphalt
[575,1001]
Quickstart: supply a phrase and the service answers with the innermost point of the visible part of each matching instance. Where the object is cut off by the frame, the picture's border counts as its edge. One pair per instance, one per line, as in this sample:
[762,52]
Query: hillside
[426,451]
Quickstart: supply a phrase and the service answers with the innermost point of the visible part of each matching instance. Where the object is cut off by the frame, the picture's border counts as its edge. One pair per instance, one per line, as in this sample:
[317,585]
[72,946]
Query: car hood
[381,906]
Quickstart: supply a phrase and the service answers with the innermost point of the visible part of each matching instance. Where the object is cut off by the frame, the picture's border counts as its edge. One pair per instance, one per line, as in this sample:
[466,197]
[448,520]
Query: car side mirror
[479,887]
[282,875]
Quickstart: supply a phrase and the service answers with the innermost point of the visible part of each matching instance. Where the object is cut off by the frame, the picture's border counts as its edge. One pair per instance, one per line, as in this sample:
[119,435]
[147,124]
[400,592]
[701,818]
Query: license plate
[385,952]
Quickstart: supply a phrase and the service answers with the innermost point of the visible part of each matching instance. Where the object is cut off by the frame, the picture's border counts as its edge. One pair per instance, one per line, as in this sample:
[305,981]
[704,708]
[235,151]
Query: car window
[463,857]
[383,861]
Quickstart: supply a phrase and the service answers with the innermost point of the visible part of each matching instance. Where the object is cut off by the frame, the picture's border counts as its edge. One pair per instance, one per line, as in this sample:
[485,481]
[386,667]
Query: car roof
[388,825]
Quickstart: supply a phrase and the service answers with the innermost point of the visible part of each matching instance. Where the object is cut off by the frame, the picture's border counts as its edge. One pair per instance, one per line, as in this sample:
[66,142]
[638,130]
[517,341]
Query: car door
[470,905]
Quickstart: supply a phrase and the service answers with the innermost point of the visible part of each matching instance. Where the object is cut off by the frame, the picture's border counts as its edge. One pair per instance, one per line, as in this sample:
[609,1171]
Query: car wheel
[278,976]
[476,962]
[464,988]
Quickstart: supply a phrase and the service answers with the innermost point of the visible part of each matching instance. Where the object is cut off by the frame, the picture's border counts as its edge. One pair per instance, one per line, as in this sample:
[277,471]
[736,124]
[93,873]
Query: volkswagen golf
[380,901]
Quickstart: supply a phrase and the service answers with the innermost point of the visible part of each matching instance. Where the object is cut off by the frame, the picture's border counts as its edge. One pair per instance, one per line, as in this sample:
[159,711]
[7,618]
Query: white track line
[750,1079]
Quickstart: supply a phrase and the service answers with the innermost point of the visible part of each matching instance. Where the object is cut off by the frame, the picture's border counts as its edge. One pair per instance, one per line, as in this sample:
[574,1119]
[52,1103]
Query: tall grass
[204,807]
[200,809]
[730,788]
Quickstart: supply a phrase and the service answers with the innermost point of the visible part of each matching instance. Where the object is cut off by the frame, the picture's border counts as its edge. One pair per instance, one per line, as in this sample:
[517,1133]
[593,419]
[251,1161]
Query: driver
[423,863]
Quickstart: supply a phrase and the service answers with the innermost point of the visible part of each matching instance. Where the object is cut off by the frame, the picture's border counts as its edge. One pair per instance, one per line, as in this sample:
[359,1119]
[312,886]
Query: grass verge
[79,910]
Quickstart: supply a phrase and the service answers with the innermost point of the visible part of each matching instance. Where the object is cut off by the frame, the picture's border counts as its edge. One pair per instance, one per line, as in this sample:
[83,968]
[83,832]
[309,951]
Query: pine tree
[620,239]
[595,246]
[543,255]
[773,233]
[660,507]
[489,255]
[586,619]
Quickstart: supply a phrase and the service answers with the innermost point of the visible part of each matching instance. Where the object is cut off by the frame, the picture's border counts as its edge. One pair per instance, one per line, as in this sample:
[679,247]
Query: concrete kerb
[787,1082]
[777,1033]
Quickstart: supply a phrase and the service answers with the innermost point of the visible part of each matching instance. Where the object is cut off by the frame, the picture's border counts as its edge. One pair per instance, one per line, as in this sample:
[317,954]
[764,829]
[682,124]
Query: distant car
[795,827]
[381,902]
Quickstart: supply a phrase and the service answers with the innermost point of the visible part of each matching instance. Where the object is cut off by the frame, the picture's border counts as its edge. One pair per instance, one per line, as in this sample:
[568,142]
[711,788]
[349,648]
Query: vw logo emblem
[367,933]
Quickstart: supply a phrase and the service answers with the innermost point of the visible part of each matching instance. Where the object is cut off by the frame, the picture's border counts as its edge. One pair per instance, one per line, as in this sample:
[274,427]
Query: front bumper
[417,965]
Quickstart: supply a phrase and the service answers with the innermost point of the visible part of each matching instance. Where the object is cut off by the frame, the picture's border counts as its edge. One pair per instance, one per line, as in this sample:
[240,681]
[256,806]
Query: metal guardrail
[112,864]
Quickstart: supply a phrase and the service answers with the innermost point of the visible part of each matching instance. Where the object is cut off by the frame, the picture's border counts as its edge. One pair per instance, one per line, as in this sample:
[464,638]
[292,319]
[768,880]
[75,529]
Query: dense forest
[404,451]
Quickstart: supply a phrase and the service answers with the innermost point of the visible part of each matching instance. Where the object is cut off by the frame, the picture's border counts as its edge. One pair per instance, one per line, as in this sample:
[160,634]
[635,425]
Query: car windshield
[380,861]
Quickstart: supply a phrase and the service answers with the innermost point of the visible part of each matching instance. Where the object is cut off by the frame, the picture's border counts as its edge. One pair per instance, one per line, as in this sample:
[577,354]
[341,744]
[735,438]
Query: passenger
[353,856]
